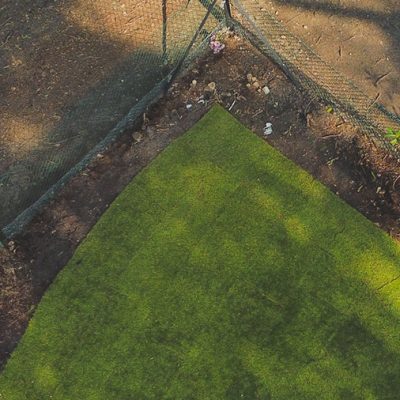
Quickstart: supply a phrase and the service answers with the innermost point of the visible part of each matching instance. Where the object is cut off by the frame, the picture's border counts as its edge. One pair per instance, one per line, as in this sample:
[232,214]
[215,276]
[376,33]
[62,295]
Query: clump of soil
[257,92]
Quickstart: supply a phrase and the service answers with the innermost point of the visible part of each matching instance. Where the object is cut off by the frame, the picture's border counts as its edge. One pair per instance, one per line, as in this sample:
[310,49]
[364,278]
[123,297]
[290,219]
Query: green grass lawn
[223,271]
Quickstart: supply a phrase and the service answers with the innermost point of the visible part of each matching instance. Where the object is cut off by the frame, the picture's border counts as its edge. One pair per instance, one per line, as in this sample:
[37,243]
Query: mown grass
[223,271]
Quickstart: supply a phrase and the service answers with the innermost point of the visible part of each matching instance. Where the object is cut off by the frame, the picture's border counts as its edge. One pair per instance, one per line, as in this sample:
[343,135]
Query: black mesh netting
[79,74]
[76,74]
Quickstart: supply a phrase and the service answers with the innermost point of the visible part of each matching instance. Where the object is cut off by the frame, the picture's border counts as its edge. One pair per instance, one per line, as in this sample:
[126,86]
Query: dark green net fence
[76,75]
[110,61]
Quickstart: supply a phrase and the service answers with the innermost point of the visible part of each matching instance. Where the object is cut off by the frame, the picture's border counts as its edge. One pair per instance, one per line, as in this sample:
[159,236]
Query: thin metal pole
[177,69]
[216,12]
[164,33]
[228,14]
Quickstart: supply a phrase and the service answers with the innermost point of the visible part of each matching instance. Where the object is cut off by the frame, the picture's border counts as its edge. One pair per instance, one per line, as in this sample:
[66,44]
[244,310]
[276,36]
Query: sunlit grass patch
[223,271]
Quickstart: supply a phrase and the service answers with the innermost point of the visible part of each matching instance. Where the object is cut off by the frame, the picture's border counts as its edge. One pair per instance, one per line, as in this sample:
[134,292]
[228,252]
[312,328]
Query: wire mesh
[102,64]
[77,74]
[319,78]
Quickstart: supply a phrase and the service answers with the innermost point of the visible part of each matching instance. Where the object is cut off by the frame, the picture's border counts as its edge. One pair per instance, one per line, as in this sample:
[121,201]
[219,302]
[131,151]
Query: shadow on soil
[65,87]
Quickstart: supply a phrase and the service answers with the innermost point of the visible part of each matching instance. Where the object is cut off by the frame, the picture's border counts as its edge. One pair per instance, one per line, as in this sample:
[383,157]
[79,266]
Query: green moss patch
[223,271]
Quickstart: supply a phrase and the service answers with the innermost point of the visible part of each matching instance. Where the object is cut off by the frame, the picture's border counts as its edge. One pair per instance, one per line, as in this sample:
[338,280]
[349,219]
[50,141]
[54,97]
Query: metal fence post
[228,14]
[164,33]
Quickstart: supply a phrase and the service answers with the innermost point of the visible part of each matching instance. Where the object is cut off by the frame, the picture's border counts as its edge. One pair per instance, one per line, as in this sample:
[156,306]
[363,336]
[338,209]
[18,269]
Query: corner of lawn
[223,271]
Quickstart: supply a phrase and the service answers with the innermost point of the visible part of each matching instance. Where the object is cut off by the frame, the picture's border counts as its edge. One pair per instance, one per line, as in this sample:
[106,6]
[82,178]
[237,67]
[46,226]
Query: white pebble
[268,128]
[266,90]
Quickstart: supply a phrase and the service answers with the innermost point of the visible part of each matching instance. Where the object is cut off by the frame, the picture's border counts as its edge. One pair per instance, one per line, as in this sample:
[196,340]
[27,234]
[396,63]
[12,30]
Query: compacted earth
[359,38]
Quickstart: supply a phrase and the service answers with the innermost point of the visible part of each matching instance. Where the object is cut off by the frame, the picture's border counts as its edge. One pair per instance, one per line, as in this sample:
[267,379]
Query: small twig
[6,22]
[351,37]
[375,100]
[257,113]
[288,131]
[330,136]
[6,39]
[226,61]
[388,283]
[383,76]
[293,18]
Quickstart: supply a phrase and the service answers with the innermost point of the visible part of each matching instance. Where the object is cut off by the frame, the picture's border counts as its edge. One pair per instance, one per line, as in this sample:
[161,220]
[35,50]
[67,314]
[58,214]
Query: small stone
[268,129]
[254,79]
[256,85]
[249,77]
[194,83]
[137,137]
[266,90]
[189,106]
[211,86]
[151,132]
[248,85]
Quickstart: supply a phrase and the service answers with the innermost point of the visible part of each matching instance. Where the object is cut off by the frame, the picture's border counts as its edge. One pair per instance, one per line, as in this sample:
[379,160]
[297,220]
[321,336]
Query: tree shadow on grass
[278,290]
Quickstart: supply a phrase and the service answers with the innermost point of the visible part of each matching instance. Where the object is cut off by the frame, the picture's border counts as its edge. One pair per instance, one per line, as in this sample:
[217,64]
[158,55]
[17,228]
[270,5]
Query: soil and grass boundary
[324,144]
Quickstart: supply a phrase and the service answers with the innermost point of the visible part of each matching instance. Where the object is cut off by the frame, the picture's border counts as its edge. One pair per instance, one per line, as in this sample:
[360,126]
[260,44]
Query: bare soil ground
[327,146]
[53,54]
[360,38]
[50,55]
[70,70]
